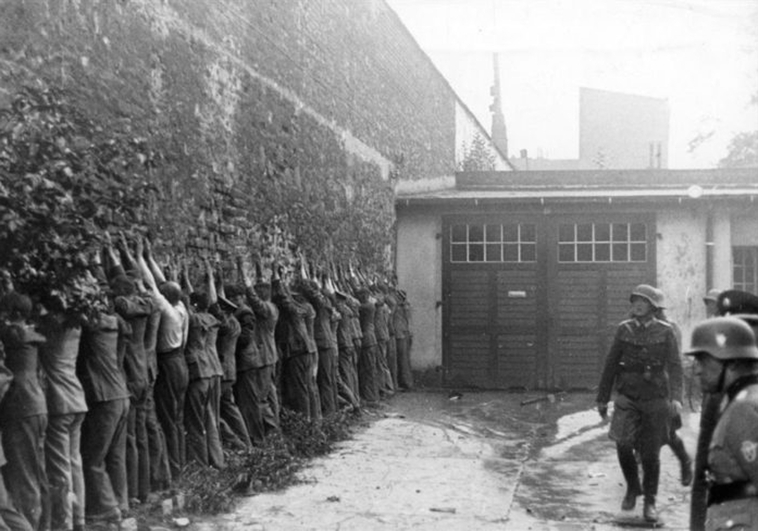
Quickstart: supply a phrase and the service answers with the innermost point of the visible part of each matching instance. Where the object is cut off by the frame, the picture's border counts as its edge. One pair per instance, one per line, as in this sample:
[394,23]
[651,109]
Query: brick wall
[278,121]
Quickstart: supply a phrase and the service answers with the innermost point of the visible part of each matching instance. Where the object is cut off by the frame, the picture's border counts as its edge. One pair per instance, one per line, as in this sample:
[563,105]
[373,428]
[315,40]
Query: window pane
[510,252]
[620,233]
[620,252]
[528,252]
[494,252]
[528,232]
[566,233]
[566,253]
[458,253]
[458,233]
[584,232]
[602,252]
[476,252]
[602,232]
[638,232]
[493,233]
[510,233]
[476,233]
[584,252]
[639,253]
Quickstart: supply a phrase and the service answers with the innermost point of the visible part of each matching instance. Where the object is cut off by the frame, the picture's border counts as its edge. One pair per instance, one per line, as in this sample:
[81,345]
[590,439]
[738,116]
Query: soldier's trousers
[392,360]
[160,471]
[383,370]
[170,390]
[203,442]
[404,374]
[368,380]
[63,462]
[348,375]
[10,518]
[104,458]
[326,378]
[24,446]
[296,384]
[252,392]
[137,446]
[233,429]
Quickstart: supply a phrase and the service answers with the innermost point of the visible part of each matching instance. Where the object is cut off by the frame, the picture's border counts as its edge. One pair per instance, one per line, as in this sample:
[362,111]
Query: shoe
[630,499]
[649,512]
[686,472]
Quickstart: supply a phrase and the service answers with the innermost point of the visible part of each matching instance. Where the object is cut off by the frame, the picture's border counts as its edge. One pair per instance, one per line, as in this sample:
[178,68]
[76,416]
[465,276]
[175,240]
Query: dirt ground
[478,461]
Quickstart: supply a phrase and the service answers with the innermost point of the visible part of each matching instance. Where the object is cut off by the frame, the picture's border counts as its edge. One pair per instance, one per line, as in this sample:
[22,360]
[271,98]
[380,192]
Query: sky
[700,55]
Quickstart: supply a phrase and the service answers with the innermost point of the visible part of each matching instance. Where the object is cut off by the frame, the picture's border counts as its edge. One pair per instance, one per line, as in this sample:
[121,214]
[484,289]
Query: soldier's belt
[724,492]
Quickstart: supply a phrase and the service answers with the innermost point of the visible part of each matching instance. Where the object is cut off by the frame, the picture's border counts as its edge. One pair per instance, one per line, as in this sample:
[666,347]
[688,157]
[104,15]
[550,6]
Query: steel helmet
[653,295]
[712,295]
[724,338]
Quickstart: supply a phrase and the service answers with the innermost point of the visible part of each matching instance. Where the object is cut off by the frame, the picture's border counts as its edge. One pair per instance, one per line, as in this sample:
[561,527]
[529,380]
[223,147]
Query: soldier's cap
[233,290]
[226,303]
[734,301]
[712,295]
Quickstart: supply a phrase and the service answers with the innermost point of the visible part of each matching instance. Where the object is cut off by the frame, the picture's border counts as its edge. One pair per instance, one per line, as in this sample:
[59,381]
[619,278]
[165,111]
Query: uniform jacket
[266,317]
[367,315]
[381,322]
[136,311]
[100,363]
[63,390]
[226,344]
[293,333]
[322,331]
[733,460]
[401,319]
[345,330]
[25,396]
[643,363]
[198,353]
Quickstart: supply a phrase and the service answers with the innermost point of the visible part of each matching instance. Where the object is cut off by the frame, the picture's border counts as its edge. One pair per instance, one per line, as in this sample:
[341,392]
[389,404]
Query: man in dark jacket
[644,368]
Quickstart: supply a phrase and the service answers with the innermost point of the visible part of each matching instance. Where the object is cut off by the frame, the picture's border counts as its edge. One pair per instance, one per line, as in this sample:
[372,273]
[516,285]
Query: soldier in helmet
[644,368]
[711,303]
[727,362]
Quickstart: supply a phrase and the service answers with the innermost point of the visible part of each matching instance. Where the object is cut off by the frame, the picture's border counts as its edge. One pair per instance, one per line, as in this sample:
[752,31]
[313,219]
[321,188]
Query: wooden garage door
[592,268]
[534,303]
[490,305]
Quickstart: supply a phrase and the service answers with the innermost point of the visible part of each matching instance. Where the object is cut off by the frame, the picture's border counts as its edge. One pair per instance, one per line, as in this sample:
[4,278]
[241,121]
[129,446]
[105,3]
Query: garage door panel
[577,362]
[577,299]
[470,360]
[468,298]
[516,300]
[516,360]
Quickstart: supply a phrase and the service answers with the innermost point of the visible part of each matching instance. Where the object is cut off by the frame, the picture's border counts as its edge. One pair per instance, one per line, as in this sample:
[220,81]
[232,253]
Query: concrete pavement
[482,462]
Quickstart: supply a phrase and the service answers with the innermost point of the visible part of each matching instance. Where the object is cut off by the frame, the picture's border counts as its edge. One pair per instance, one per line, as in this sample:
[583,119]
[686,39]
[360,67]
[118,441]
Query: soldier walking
[644,368]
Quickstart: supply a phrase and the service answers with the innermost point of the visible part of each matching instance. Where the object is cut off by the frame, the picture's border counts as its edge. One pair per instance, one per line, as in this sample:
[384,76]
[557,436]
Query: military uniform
[733,460]
[644,368]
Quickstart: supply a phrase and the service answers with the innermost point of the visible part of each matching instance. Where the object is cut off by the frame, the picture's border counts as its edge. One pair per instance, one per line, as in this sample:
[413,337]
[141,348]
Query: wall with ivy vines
[271,125]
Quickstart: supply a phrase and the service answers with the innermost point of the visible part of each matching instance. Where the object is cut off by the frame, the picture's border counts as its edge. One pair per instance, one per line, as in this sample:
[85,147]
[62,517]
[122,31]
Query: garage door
[534,302]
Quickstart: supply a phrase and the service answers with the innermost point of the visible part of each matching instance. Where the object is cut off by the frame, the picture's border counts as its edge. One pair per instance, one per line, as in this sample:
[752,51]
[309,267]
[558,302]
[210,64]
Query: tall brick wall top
[283,113]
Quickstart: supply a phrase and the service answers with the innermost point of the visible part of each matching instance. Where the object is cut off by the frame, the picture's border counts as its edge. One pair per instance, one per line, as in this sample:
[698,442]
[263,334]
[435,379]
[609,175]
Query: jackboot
[651,470]
[677,446]
[649,513]
[629,468]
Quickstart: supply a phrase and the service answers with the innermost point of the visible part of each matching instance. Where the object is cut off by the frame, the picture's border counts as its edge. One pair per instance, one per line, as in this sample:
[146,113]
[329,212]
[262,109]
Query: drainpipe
[709,250]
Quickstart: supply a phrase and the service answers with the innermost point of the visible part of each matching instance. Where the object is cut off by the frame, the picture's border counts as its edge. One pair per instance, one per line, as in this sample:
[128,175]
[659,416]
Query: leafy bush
[63,180]
[271,467]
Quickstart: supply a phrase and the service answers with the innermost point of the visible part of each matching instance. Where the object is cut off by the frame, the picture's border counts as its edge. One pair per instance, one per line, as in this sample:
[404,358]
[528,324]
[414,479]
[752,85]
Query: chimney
[499,133]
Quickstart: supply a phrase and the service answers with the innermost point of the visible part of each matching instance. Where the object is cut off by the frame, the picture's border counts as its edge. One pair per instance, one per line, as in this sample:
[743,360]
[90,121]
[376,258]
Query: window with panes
[745,268]
[602,242]
[493,242]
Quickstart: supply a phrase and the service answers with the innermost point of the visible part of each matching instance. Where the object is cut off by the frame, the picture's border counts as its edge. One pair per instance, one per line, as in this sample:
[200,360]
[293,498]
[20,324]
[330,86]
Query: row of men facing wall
[123,398]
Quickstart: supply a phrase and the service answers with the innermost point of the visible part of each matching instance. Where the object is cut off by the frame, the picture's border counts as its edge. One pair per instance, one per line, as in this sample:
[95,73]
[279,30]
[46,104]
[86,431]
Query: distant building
[622,131]
[616,131]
